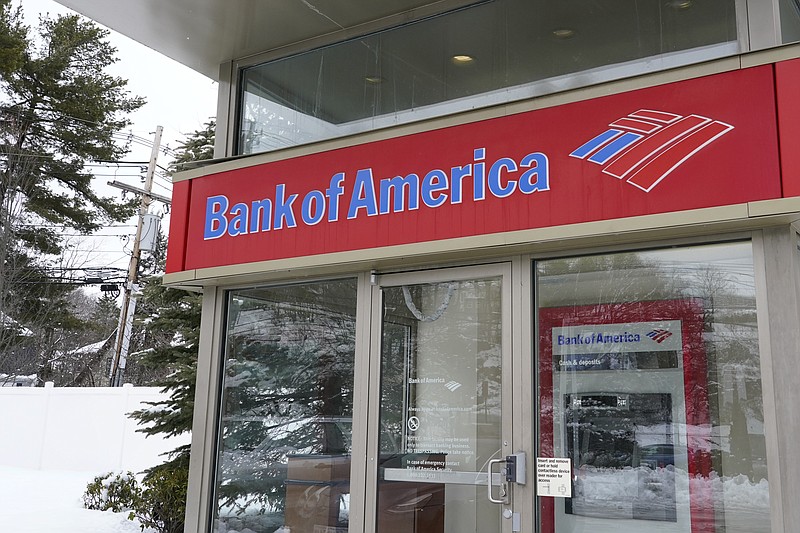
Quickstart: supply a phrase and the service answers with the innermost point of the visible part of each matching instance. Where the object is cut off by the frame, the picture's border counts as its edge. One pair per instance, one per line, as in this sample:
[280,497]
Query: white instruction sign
[554,477]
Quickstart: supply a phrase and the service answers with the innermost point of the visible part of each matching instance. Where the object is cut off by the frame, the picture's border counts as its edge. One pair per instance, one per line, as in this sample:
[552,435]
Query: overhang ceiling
[410,68]
[202,34]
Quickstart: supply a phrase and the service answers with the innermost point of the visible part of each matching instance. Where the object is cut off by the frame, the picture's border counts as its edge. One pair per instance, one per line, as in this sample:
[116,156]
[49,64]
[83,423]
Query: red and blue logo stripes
[660,335]
[644,147]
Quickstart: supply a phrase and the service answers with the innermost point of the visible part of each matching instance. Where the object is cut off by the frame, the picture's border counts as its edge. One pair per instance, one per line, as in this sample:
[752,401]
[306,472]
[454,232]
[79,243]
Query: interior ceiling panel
[202,34]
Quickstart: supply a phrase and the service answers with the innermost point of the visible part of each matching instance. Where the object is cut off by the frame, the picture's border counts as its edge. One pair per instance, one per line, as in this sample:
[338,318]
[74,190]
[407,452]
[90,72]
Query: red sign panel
[699,143]
[787,79]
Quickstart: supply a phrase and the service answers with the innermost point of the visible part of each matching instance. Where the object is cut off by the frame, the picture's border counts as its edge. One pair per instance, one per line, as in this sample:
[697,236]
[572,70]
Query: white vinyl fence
[81,428]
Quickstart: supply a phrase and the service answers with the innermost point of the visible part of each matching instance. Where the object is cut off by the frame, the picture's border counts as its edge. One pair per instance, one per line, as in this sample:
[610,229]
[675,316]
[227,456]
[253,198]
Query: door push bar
[512,472]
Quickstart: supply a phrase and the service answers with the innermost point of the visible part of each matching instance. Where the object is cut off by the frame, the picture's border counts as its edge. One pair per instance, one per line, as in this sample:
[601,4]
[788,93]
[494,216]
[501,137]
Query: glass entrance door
[444,412]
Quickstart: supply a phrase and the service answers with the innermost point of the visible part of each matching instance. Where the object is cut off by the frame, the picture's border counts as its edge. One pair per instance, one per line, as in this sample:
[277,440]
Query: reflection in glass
[605,436]
[650,382]
[440,406]
[508,50]
[790,20]
[283,461]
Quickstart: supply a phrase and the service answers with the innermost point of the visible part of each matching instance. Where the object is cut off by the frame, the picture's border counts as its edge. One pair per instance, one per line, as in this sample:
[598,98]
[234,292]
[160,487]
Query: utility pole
[131,288]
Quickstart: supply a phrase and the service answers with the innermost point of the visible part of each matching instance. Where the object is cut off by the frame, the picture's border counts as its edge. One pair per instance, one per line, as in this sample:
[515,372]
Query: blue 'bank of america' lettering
[598,338]
[433,189]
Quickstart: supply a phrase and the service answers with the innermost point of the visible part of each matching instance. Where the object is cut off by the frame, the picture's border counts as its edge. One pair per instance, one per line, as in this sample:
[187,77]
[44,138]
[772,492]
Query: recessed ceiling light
[462,59]
[374,79]
[680,4]
[563,33]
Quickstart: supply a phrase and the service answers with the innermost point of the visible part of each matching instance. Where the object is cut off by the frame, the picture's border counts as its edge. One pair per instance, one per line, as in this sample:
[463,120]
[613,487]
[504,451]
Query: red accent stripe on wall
[179,226]
[787,85]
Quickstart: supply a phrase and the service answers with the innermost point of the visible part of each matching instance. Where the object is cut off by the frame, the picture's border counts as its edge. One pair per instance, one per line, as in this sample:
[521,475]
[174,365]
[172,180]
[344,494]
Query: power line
[94,174]
[122,163]
[165,180]
[165,188]
[69,226]
[32,156]
[98,252]
[81,269]
[120,135]
[17,110]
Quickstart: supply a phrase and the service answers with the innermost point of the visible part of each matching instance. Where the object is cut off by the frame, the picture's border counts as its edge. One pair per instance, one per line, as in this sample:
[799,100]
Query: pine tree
[13,39]
[198,146]
[105,315]
[59,111]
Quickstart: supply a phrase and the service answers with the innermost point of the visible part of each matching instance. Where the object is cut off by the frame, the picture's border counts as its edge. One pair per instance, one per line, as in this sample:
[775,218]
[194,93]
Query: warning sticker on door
[554,477]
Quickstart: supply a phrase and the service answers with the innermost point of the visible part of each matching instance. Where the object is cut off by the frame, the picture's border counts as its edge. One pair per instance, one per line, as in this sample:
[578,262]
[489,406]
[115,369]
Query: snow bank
[36,501]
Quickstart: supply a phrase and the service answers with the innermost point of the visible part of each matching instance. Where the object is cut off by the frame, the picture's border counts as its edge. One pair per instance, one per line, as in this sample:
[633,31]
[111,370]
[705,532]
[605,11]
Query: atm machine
[623,449]
[629,409]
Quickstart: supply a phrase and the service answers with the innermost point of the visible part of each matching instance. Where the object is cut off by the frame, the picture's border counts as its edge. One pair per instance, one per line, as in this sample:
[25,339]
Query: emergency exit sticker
[554,477]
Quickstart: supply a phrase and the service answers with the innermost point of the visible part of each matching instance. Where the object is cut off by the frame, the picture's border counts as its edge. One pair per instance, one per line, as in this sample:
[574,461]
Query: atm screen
[622,449]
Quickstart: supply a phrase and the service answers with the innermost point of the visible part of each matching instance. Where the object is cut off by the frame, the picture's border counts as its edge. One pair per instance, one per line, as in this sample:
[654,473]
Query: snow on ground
[41,501]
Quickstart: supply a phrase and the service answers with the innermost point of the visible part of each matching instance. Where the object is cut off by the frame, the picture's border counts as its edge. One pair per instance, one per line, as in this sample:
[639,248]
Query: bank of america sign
[644,147]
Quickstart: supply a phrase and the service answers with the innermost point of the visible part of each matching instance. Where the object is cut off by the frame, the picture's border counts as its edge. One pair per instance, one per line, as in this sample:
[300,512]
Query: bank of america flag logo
[644,147]
[660,335]
[452,385]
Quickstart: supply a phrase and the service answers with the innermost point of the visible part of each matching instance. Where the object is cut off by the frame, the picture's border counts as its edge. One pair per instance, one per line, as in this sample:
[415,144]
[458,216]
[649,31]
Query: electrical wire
[120,135]
[68,226]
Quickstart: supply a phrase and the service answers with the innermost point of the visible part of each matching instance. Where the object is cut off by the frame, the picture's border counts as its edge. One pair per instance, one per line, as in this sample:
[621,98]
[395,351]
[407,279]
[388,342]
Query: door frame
[517,390]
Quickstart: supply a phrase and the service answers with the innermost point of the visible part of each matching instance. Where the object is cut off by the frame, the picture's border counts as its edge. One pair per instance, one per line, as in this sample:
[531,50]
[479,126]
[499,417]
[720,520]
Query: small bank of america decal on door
[644,147]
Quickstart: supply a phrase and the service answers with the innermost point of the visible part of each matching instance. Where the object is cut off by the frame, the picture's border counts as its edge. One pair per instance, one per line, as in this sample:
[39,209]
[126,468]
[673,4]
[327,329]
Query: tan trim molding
[697,222]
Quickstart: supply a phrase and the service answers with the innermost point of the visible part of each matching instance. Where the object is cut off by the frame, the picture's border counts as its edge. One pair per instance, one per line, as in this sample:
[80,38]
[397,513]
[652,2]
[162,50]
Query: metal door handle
[504,494]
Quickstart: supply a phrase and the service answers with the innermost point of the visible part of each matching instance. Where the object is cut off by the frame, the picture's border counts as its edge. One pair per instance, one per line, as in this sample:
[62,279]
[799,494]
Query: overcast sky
[178,99]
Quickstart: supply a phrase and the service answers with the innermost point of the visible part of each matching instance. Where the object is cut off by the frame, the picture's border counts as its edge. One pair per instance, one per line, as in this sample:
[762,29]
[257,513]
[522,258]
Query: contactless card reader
[515,468]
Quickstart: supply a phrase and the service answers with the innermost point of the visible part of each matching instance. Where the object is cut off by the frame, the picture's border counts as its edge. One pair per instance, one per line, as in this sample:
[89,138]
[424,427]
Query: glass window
[283,461]
[790,20]
[650,383]
[490,53]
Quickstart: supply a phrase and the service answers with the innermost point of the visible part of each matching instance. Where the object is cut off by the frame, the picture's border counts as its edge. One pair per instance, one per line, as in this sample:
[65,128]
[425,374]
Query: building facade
[492,267]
